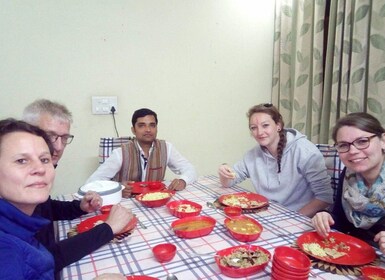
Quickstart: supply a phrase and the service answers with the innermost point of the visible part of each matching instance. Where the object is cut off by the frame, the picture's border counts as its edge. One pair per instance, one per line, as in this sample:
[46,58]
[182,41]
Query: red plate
[372,272]
[90,223]
[142,187]
[141,277]
[358,253]
[245,200]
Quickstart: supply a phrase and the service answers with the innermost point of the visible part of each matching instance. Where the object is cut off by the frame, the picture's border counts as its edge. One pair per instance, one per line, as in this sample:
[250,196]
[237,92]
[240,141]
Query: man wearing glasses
[55,119]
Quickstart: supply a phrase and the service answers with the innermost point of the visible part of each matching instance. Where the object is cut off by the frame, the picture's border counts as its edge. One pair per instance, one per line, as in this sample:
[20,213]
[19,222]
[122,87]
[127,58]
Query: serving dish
[96,220]
[337,248]
[110,191]
[373,273]
[245,200]
[192,227]
[184,208]
[247,254]
[244,229]
[155,198]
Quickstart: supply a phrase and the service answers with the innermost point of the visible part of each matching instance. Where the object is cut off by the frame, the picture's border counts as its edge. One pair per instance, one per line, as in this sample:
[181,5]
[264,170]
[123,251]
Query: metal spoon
[234,260]
[211,205]
[171,277]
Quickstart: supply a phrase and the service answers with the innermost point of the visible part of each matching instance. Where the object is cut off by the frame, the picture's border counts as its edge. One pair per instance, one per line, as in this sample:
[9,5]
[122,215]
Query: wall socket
[101,105]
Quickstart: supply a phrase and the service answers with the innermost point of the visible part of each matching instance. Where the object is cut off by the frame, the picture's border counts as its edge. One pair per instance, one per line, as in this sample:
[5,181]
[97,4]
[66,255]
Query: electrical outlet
[101,105]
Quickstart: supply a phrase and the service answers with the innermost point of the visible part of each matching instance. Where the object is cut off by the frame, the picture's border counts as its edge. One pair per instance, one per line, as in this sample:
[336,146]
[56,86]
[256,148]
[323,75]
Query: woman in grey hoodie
[285,167]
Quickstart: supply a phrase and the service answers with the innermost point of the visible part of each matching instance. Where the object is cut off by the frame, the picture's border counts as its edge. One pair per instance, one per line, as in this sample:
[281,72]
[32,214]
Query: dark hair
[273,112]
[140,113]
[12,125]
[360,120]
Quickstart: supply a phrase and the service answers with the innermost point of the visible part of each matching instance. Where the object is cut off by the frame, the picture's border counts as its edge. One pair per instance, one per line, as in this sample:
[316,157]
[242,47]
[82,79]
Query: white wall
[199,64]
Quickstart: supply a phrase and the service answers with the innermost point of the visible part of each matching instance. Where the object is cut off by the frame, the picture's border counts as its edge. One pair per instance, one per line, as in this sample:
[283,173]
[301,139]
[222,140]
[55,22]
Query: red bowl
[232,211]
[371,272]
[146,186]
[281,274]
[244,229]
[291,273]
[106,209]
[292,259]
[238,272]
[192,227]
[91,222]
[154,199]
[164,252]
[184,208]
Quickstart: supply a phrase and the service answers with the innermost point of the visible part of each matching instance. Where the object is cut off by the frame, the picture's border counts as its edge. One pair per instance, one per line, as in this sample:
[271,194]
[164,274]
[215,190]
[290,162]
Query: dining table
[133,255]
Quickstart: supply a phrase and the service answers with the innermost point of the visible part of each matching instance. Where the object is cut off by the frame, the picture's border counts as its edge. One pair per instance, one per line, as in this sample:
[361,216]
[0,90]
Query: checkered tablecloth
[134,256]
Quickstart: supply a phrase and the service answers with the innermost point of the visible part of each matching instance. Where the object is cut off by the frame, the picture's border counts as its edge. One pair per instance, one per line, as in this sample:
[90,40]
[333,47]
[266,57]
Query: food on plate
[186,208]
[243,258]
[155,196]
[193,225]
[375,277]
[244,226]
[241,201]
[334,252]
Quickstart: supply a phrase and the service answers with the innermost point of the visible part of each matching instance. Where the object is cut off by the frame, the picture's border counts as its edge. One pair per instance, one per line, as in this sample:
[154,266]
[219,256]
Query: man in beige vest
[145,158]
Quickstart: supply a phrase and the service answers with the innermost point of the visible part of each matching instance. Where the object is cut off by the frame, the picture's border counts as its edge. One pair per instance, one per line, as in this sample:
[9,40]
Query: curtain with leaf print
[316,81]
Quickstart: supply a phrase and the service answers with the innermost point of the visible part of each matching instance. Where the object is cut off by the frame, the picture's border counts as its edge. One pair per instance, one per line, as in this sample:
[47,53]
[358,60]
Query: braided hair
[273,112]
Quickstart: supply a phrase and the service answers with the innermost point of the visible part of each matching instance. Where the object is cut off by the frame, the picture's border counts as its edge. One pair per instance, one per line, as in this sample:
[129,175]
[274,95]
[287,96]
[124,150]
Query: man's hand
[91,202]
[177,185]
[127,191]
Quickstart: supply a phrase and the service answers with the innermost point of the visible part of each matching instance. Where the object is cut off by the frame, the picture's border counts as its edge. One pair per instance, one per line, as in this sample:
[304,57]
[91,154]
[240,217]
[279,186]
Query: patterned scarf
[131,169]
[363,206]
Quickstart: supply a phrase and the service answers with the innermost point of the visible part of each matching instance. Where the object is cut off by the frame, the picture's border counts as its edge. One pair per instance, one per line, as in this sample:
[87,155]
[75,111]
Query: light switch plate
[101,105]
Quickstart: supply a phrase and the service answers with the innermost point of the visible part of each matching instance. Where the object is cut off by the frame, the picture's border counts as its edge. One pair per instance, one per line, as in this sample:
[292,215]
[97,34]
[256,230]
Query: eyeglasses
[360,144]
[65,139]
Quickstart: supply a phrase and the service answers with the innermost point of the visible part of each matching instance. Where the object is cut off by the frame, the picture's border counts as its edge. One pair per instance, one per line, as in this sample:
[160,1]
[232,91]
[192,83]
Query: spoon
[234,259]
[211,205]
[171,277]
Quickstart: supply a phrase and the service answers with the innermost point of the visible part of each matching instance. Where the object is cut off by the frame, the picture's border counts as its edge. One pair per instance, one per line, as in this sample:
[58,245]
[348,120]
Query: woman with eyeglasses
[359,209]
[284,167]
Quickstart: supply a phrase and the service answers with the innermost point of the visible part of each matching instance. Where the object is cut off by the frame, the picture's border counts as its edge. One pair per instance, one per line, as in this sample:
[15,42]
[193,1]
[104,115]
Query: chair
[107,144]
[333,164]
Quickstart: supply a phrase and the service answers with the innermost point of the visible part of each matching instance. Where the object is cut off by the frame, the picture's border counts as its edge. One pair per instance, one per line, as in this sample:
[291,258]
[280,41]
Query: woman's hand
[91,202]
[177,185]
[226,175]
[119,218]
[322,222]
[380,238]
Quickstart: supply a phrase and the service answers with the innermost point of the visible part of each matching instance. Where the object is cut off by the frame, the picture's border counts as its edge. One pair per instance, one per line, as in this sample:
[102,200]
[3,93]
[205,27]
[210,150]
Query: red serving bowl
[192,227]
[238,272]
[244,229]
[372,272]
[291,259]
[282,274]
[164,252]
[184,208]
[155,199]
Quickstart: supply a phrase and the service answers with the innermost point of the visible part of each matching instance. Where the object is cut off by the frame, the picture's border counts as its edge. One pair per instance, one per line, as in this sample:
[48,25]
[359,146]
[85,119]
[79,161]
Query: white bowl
[110,191]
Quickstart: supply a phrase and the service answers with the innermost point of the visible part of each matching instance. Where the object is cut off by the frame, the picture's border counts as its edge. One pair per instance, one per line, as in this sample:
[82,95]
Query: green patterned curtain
[317,80]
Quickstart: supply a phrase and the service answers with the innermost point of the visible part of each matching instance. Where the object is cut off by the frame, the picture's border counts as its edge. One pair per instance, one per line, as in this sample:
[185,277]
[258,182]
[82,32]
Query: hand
[91,202]
[177,185]
[226,172]
[380,238]
[118,218]
[322,222]
[127,191]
